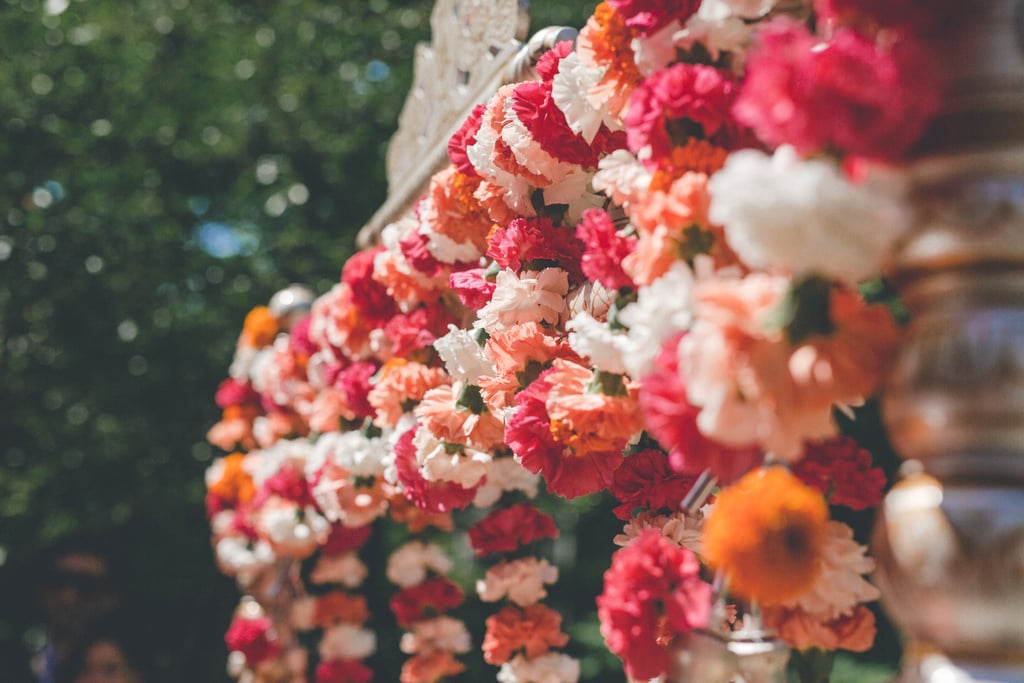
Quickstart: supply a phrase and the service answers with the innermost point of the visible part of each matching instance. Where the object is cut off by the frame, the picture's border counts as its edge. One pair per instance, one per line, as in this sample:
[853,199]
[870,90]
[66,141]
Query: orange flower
[536,628]
[606,42]
[259,329]
[440,413]
[452,210]
[854,632]
[430,667]
[401,385]
[234,485]
[699,156]
[416,519]
[341,606]
[767,532]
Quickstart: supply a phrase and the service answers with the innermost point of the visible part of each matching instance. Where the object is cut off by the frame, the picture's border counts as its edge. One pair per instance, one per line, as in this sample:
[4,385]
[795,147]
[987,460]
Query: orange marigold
[536,628]
[766,532]
[260,328]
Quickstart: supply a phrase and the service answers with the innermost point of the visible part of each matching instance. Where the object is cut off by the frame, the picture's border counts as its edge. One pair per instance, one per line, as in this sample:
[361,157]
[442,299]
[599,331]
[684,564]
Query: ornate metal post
[950,541]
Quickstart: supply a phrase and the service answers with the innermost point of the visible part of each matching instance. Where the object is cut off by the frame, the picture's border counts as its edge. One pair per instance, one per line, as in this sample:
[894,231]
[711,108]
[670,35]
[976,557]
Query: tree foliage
[167,165]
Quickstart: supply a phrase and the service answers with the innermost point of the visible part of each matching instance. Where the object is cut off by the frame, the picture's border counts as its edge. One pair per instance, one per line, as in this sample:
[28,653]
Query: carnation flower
[595,341]
[505,474]
[521,580]
[241,557]
[569,91]
[645,481]
[345,569]
[534,296]
[342,671]
[347,641]
[432,596]
[570,431]
[401,382]
[534,630]
[253,637]
[719,27]
[360,455]
[605,248]
[767,532]
[441,633]
[679,527]
[507,529]
[526,243]
[463,357]
[843,472]
[850,93]
[472,289]
[432,496]
[647,16]
[551,667]
[292,531]
[347,499]
[606,43]
[854,631]
[662,309]
[429,667]
[340,606]
[622,177]
[803,216]
[457,415]
[653,588]
[463,138]
[409,565]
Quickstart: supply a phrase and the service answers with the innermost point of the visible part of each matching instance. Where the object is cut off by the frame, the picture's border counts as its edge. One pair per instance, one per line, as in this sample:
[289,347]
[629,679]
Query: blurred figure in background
[107,652]
[77,588]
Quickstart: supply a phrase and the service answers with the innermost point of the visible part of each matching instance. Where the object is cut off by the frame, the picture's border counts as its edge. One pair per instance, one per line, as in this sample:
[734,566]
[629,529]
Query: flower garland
[641,274]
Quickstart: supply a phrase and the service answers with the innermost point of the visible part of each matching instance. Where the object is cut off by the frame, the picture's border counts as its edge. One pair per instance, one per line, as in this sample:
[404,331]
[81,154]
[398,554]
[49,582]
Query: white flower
[748,9]
[302,614]
[239,556]
[657,50]
[505,474]
[622,177]
[532,297]
[803,216]
[569,90]
[265,463]
[597,342]
[391,437]
[719,28]
[522,580]
[360,455]
[682,529]
[346,569]
[839,586]
[347,641]
[440,633]
[408,565]
[465,466]
[447,250]
[662,309]
[242,363]
[463,357]
[551,667]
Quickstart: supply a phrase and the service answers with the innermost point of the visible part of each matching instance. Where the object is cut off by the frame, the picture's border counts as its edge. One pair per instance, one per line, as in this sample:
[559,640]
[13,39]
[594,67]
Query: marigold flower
[767,532]
[536,628]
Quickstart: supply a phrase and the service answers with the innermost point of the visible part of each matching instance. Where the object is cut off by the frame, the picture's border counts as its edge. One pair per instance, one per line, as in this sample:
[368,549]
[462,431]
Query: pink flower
[415,249]
[652,590]
[849,93]
[409,332]
[605,250]
[368,295]
[254,638]
[343,671]
[907,14]
[354,382]
[530,243]
[463,138]
[680,102]
[472,289]
[648,16]
[232,392]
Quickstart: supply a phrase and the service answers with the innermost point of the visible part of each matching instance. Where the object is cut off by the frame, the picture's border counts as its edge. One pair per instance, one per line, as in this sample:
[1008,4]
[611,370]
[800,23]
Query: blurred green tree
[166,165]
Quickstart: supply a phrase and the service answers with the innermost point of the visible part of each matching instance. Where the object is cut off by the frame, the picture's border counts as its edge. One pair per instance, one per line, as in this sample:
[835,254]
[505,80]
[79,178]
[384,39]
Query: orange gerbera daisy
[766,533]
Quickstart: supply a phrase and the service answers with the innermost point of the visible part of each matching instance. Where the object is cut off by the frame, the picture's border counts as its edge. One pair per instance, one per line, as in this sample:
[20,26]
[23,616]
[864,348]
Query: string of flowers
[641,273]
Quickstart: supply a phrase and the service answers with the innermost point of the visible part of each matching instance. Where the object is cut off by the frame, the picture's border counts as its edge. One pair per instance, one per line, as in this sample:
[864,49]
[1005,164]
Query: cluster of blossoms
[639,270]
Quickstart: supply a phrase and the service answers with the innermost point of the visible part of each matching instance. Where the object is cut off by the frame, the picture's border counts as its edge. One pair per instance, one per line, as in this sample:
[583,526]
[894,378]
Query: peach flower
[442,415]
[535,629]
[450,210]
[439,633]
[521,580]
[349,500]
[345,569]
[854,632]
[533,296]
[401,384]
[589,421]
[430,667]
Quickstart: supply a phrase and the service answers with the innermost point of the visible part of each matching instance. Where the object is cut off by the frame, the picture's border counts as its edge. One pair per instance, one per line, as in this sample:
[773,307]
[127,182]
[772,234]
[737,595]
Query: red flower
[288,483]
[507,529]
[532,243]
[368,295]
[424,600]
[673,421]
[231,392]
[842,470]
[343,671]
[253,638]
[680,102]
[567,471]
[534,629]
[849,93]
[604,250]
[432,496]
[343,539]
[465,137]
[354,382]
[419,329]
[652,590]
[648,16]
[907,14]
[645,480]
[414,249]
[472,289]
[547,65]
[299,342]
